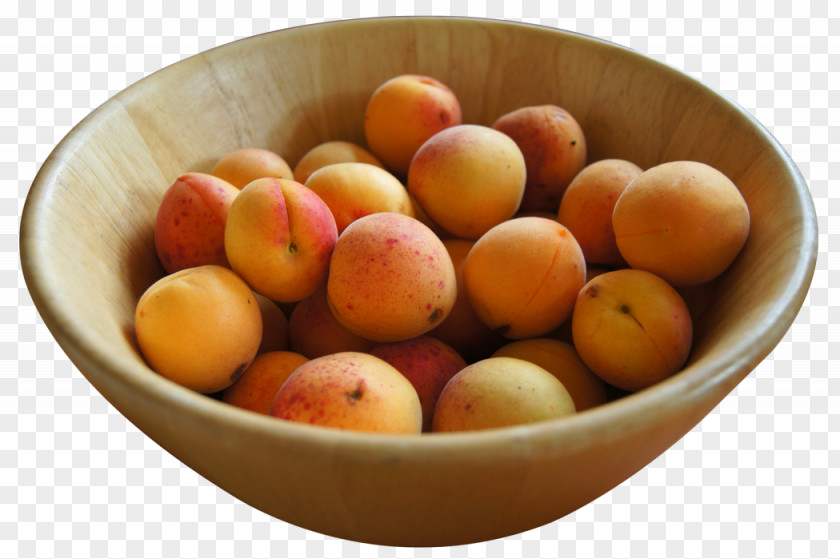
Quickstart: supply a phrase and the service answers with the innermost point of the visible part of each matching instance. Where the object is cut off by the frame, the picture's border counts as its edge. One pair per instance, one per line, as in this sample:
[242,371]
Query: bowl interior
[87,251]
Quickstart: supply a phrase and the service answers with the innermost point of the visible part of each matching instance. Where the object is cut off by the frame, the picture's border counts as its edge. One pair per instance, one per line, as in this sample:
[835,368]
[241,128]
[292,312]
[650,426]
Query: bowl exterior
[87,252]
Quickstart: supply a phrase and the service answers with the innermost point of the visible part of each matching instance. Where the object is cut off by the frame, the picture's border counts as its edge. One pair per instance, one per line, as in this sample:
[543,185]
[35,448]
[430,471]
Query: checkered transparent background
[757,478]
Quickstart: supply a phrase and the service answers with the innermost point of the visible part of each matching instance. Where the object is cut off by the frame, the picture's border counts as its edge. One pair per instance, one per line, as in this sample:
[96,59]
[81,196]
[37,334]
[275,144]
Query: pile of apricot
[444,276]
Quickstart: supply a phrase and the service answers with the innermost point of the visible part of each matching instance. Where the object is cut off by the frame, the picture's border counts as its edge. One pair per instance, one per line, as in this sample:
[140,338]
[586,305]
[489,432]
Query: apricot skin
[199,327]
[279,237]
[256,388]
[522,277]
[427,363]
[561,360]
[351,391]
[500,392]
[404,112]
[390,278]
[468,178]
[245,165]
[275,326]
[190,222]
[586,208]
[354,190]
[631,328]
[315,332]
[685,221]
[554,147]
[327,153]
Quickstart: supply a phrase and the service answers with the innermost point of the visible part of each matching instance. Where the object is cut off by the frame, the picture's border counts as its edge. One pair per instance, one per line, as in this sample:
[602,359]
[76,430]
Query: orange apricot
[684,221]
[522,276]
[404,112]
[631,328]
[586,208]
[327,153]
[354,190]
[242,166]
[200,327]
[256,388]
[468,178]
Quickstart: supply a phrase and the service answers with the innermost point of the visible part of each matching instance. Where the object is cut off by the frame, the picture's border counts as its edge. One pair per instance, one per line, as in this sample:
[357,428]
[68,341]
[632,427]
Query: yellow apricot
[200,327]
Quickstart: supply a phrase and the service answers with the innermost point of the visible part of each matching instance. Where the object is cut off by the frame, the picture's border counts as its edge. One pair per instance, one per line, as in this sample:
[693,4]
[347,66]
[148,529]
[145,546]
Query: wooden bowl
[87,254]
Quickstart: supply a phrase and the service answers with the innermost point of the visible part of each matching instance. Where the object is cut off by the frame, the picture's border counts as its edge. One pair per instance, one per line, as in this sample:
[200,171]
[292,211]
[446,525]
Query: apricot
[275,326]
[279,237]
[351,391]
[468,178]
[327,153]
[353,190]
[561,360]
[500,392]
[190,222]
[390,278]
[315,332]
[684,221]
[554,147]
[522,277]
[256,388]
[462,329]
[199,327]
[245,165]
[404,112]
[427,363]
[586,208]
[631,328]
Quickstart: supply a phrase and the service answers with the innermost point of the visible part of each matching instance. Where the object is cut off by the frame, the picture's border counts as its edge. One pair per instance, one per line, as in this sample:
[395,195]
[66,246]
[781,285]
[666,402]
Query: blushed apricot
[245,165]
[199,327]
[390,278]
[684,221]
[327,153]
[561,360]
[279,237]
[427,363]
[462,329]
[404,112]
[554,148]
[522,276]
[631,328]
[315,332]
[468,178]
[354,190]
[352,391]
[256,388]
[586,208]
[190,222]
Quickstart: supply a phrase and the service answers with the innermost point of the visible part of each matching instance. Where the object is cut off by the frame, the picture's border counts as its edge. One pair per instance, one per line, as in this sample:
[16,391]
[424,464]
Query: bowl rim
[693,381]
